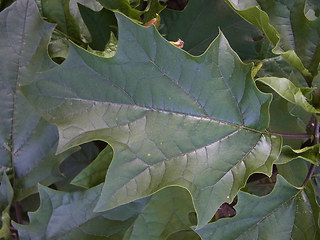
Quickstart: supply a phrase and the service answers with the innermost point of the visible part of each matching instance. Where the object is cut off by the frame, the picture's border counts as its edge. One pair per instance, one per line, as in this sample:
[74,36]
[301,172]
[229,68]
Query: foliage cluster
[109,130]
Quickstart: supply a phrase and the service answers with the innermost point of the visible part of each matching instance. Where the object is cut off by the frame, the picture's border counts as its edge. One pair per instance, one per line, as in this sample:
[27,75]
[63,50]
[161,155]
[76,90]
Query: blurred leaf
[286,89]
[184,235]
[6,196]
[159,107]
[124,7]
[28,143]
[309,154]
[294,171]
[100,25]
[284,22]
[286,213]
[198,24]
[96,172]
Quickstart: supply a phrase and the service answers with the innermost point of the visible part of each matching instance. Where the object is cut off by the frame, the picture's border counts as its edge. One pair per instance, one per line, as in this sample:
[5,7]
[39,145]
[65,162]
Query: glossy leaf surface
[169,117]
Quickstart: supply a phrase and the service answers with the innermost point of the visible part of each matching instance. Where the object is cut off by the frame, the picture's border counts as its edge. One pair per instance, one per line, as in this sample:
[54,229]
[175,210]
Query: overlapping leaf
[198,24]
[286,213]
[169,117]
[151,218]
[27,142]
[289,30]
[6,196]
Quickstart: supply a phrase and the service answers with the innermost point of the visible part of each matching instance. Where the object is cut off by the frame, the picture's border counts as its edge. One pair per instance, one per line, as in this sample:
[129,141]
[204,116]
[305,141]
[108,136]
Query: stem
[312,167]
[293,136]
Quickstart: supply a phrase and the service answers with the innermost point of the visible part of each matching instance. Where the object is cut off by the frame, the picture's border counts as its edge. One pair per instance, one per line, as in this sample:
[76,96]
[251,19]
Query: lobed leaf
[197,26]
[286,213]
[27,142]
[70,216]
[170,117]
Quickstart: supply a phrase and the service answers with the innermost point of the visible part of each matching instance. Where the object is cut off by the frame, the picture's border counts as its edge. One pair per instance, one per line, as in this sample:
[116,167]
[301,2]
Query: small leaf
[96,172]
[309,154]
[6,196]
[286,213]
[100,25]
[286,89]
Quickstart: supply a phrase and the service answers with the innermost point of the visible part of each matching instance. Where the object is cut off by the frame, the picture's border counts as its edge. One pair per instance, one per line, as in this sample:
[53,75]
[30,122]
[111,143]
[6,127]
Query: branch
[293,136]
[312,167]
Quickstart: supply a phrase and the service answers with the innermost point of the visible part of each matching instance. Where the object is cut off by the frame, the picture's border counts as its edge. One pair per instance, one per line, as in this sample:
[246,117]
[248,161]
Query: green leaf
[286,213]
[294,171]
[170,117]
[198,24]
[96,172]
[109,50]
[184,235]
[124,7]
[59,12]
[27,142]
[69,216]
[294,36]
[64,215]
[286,89]
[166,213]
[6,196]
[309,154]
[100,25]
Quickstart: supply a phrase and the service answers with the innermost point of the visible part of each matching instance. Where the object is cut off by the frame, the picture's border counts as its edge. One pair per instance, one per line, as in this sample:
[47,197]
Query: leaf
[100,25]
[59,12]
[27,142]
[309,154]
[64,215]
[69,216]
[294,36]
[109,50]
[124,7]
[184,235]
[286,89]
[96,172]
[286,213]
[6,196]
[166,213]
[170,117]
[294,171]
[197,26]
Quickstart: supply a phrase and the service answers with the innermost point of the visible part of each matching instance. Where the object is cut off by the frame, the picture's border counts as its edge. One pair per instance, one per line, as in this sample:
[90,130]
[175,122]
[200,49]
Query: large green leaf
[6,196]
[171,118]
[27,142]
[198,24]
[70,216]
[286,213]
[285,24]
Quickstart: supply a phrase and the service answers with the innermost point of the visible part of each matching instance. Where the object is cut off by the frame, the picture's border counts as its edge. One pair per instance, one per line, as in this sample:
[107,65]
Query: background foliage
[109,130]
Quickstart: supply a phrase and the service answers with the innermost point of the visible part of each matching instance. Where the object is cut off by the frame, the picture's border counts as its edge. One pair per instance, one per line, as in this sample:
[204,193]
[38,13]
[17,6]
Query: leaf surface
[27,142]
[286,213]
[170,117]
